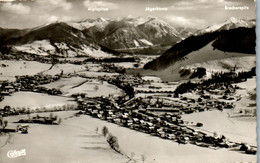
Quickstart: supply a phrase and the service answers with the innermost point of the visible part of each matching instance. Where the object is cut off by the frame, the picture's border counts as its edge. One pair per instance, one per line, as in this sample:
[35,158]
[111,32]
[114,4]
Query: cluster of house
[25,56]
[28,83]
[37,79]
[109,67]
[184,105]
[3,127]
[7,110]
[134,81]
[6,88]
[218,89]
[167,126]
[31,83]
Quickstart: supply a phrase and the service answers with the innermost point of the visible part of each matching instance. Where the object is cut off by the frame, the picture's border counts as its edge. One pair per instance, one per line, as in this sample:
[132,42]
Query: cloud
[15,8]
[201,4]
[53,4]
[53,18]
[100,4]
[182,21]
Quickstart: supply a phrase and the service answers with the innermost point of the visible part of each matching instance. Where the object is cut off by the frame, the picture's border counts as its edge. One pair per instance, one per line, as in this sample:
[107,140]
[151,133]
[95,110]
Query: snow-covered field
[224,65]
[96,53]
[125,64]
[34,100]
[18,68]
[247,93]
[156,84]
[45,48]
[248,89]
[75,140]
[91,87]
[15,68]
[231,123]
[221,123]
[241,64]
[42,47]
[66,68]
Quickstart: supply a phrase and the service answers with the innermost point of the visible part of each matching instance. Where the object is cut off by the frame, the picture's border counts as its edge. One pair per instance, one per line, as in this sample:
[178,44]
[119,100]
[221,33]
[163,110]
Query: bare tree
[51,115]
[59,121]
[1,121]
[113,142]
[55,117]
[143,158]
[5,124]
[105,131]
[215,134]
[96,88]
[96,130]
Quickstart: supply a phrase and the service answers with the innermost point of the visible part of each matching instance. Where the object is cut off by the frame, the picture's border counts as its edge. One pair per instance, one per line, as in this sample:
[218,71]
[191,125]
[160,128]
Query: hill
[239,40]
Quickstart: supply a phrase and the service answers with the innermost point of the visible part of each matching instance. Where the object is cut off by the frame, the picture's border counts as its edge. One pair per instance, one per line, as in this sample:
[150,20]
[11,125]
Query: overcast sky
[189,13]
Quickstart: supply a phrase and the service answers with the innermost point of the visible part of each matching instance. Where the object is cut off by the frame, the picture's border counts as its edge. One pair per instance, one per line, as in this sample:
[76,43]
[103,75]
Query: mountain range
[128,35]
[233,38]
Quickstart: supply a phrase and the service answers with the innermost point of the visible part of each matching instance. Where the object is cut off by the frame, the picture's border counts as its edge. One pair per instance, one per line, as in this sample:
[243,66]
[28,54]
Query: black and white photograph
[128,81]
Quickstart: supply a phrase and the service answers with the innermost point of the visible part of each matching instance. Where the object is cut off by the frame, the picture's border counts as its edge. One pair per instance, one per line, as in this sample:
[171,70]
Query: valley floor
[115,95]
[76,140]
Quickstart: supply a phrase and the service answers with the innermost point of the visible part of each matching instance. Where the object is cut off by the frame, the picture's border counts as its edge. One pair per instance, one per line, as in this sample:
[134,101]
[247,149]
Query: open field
[125,64]
[66,68]
[91,87]
[35,100]
[15,68]
[241,63]
[247,94]
[223,124]
[237,126]
[75,140]
[65,143]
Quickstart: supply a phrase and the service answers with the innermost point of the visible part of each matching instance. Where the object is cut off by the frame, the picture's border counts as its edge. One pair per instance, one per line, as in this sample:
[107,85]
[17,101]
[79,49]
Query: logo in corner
[15,153]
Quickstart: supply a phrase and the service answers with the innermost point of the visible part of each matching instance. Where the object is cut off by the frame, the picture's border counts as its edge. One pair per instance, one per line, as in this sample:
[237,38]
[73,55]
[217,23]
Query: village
[145,104]
[155,109]
[161,116]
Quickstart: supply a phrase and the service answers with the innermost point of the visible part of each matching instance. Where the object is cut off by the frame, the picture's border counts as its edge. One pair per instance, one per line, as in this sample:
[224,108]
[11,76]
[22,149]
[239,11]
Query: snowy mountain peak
[233,20]
[231,23]
[237,22]
[89,23]
[101,19]
[160,26]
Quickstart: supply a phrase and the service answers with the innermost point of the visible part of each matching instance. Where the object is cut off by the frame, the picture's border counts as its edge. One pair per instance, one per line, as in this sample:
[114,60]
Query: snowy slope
[212,60]
[224,65]
[45,48]
[42,47]
[205,54]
